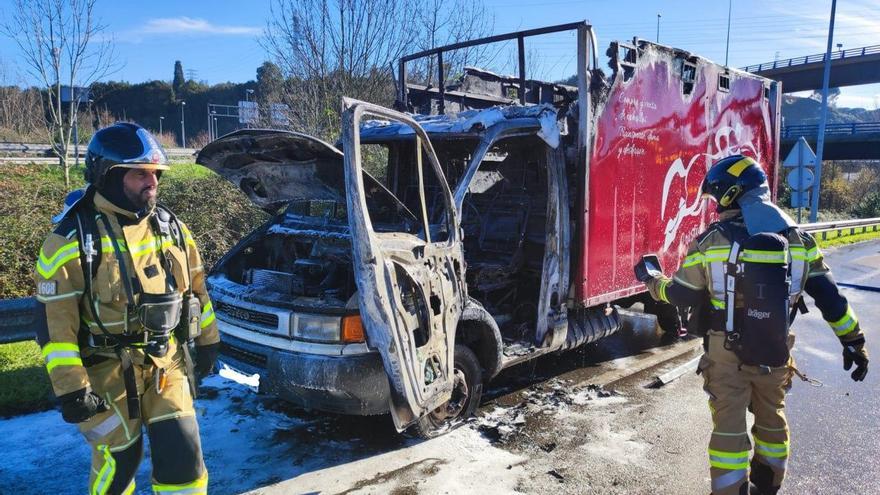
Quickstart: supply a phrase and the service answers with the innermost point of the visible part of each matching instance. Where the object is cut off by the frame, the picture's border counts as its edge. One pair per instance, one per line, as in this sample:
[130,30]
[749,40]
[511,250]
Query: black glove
[206,356]
[855,352]
[81,405]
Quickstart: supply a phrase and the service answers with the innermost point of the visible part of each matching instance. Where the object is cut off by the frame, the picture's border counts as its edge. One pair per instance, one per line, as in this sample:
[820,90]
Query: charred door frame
[420,375]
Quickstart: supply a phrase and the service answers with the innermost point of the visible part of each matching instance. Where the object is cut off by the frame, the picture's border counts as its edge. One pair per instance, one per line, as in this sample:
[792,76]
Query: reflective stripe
[105,475]
[685,283]
[45,299]
[716,254]
[103,429]
[662,290]
[727,479]
[207,315]
[729,460]
[756,256]
[150,244]
[737,168]
[61,354]
[694,259]
[187,235]
[718,304]
[197,486]
[107,244]
[778,463]
[130,489]
[47,266]
[768,449]
[716,273]
[846,324]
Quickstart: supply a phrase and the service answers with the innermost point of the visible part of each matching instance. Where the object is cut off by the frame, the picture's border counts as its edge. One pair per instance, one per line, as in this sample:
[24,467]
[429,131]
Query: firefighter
[121,295]
[752,266]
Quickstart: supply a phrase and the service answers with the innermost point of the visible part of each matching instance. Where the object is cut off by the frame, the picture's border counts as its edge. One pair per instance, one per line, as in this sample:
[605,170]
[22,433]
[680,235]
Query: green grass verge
[847,239]
[24,384]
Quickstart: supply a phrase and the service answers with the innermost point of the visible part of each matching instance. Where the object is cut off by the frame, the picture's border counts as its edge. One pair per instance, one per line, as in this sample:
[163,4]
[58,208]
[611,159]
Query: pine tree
[179,81]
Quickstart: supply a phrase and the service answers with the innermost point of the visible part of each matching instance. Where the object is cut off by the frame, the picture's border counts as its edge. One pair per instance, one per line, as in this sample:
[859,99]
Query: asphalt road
[542,428]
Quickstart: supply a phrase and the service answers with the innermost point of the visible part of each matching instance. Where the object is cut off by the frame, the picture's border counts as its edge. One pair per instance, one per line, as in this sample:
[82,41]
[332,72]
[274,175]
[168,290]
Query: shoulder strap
[179,239]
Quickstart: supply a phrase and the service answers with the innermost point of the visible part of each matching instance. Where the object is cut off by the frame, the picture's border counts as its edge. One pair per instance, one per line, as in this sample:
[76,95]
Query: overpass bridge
[857,141]
[849,67]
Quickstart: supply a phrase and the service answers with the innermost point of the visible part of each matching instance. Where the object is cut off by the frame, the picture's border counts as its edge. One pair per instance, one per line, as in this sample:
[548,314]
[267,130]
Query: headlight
[316,327]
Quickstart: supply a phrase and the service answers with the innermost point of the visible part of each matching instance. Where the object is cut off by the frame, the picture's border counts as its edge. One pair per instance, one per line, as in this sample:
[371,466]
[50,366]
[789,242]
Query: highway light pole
[727,45]
[160,124]
[658,27]
[820,140]
[182,125]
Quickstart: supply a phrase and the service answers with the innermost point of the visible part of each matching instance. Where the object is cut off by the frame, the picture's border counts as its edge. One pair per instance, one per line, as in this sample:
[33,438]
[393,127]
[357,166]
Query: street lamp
[182,125]
[160,124]
[658,27]
[247,94]
[212,124]
[840,47]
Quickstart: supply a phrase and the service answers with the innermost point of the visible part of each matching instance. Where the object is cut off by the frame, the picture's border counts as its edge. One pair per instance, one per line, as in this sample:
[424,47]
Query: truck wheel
[466,392]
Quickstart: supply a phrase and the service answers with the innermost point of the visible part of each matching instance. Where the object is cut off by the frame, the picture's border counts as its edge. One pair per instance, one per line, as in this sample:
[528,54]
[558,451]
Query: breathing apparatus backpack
[757,304]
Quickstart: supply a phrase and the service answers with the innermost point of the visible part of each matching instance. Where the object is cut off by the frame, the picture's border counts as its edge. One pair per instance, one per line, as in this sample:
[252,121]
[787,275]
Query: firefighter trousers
[169,419]
[734,389]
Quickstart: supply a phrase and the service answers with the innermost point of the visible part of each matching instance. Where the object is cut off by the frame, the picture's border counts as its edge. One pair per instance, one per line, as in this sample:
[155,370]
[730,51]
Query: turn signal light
[352,329]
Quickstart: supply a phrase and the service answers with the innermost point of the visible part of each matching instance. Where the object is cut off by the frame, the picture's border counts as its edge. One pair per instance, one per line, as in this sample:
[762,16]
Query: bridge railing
[810,59]
[789,131]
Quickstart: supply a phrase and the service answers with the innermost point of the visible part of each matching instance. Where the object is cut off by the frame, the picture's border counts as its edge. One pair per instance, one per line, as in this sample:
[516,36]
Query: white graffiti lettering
[728,141]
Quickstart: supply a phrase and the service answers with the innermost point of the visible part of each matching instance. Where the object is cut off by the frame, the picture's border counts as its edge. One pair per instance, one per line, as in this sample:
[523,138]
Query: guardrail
[810,59]
[842,227]
[790,131]
[17,315]
[46,150]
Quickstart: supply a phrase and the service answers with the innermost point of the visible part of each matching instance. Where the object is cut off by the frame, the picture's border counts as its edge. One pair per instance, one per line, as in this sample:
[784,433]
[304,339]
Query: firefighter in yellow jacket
[751,268]
[122,289]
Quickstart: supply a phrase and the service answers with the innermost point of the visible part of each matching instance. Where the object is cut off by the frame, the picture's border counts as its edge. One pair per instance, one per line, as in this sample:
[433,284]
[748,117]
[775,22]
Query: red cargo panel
[652,147]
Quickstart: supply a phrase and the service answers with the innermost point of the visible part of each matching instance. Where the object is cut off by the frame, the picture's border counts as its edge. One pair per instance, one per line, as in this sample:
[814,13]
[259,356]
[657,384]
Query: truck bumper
[349,384]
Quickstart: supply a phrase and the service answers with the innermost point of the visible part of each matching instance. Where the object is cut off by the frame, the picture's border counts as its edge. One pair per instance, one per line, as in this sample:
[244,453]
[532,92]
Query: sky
[218,40]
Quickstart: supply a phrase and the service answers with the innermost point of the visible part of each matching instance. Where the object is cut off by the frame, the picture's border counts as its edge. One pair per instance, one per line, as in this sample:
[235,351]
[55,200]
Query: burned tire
[466,393]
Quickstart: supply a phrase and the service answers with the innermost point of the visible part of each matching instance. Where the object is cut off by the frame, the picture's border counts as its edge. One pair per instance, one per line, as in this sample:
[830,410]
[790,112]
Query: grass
[24,384]
[847,239]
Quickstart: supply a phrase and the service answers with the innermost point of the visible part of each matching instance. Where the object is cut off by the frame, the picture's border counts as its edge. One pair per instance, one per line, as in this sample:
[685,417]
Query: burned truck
[482,224]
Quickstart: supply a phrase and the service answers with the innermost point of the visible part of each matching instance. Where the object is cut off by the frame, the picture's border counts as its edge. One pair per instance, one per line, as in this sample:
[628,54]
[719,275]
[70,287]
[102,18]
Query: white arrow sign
[801,155]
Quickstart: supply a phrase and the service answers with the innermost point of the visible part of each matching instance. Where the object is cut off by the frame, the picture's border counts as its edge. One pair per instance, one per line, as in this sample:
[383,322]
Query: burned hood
[274,167]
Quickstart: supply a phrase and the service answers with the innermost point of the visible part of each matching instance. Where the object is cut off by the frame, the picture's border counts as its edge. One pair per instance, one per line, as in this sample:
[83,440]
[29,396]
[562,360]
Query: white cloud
[189,25]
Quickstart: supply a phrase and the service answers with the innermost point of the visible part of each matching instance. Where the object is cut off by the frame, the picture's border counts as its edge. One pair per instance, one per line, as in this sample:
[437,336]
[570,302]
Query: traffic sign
[801,179]
[800,199]
[801,155]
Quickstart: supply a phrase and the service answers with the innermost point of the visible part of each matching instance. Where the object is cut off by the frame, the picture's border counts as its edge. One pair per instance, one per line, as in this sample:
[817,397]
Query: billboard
[248,112]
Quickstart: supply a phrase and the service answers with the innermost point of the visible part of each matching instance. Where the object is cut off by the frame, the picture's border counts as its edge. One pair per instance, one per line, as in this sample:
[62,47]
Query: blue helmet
[729,178]
[122,144]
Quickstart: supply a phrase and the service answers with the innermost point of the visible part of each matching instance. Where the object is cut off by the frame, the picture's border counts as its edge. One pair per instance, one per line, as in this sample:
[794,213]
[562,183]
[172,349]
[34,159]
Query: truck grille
[248,315]
[248,357]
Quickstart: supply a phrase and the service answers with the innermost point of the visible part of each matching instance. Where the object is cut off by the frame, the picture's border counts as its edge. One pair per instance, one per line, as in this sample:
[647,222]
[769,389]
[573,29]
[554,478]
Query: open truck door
[409,270]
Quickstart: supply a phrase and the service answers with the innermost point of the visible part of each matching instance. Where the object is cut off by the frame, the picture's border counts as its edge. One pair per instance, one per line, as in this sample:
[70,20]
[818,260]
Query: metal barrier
[811,59]
[17,315]
[842,228]
[835,129]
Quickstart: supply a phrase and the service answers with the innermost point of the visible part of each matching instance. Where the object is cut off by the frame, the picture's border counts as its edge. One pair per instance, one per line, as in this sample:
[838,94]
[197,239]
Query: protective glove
[206,357]
[855,352]
[81,405]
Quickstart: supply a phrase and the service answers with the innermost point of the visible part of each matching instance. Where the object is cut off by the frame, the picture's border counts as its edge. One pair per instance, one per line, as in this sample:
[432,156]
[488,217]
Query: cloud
[189,25]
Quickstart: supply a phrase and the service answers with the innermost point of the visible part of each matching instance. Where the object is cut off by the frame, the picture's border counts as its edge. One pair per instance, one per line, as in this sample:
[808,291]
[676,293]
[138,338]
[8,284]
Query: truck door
[409,268]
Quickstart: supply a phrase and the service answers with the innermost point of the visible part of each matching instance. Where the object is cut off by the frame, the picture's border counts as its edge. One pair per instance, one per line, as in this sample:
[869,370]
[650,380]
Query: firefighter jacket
[64,334]
[703,272]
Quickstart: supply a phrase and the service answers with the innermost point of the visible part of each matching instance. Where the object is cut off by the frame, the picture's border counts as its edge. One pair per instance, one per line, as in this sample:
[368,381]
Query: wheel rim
[456,404]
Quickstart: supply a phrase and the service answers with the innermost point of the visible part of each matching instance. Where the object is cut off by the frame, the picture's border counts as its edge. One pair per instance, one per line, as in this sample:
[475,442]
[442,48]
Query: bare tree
[20,109]
[445,22]
[62,44]
[333,48]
